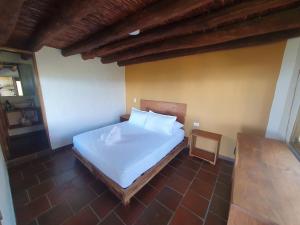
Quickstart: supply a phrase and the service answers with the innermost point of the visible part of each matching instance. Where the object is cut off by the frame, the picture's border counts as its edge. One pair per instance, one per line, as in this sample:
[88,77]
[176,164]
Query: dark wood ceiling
[168,28]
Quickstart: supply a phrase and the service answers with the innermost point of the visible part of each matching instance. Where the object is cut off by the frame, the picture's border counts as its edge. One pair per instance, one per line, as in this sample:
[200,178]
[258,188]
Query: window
[19,88]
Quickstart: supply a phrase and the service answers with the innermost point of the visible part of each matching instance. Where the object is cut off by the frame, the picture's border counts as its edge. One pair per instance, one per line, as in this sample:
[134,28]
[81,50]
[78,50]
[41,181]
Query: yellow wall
[227,91]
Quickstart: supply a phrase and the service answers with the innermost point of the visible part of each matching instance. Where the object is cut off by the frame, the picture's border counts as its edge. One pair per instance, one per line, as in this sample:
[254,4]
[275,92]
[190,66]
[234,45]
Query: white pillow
[160,123]
[138,117]
[177,125]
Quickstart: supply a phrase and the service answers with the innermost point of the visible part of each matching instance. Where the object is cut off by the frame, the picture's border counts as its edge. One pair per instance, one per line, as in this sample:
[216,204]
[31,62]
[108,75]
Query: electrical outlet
[134,100]
[196,124]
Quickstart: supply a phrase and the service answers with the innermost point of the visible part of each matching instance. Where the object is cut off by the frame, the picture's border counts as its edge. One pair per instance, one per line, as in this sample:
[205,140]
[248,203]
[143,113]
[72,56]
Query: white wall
[295,107]
[287,95]
[78,95]
[6,204]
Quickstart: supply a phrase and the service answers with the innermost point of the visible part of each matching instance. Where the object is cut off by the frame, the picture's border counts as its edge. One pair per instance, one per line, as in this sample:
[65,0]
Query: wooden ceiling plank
[157,14]
[228,15]
[70,13]
[280,21]
[9,14]
[246,42]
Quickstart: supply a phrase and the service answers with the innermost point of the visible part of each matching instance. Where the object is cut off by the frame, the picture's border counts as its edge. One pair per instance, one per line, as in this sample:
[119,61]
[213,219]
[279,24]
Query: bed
[127,165]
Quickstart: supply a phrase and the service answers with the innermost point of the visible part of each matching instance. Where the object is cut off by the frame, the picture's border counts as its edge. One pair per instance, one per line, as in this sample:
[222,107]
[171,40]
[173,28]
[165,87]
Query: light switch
[196,124]
[134,99]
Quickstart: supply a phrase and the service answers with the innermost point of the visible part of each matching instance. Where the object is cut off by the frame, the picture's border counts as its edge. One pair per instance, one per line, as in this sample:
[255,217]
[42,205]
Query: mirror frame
[38,93]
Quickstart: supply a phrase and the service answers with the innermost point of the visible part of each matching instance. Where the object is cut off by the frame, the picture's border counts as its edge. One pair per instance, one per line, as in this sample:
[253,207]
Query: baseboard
[65,147]
[226,158]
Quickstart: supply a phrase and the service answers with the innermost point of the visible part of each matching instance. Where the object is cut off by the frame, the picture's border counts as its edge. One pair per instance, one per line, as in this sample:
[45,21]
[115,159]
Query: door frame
[38,90]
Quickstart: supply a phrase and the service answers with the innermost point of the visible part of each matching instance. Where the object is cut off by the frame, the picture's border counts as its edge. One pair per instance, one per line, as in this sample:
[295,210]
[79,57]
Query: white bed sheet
[134,151]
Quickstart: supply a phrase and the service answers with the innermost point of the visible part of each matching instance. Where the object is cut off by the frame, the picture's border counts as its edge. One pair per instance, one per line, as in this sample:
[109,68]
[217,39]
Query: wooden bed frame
[125,194]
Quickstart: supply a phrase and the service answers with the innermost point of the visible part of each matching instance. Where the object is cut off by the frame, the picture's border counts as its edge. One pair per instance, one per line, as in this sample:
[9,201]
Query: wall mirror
[16,79]
[22,125]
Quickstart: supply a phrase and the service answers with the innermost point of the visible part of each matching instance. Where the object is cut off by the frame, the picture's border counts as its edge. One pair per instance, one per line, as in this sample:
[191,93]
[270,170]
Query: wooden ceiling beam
[281,21]
[246,42]
[9,14]
[71,12]
[228,15]
[157,14]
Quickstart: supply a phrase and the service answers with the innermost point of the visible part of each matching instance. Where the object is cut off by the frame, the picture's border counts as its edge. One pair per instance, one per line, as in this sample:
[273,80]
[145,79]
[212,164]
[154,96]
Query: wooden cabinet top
[267,180]
[124,117]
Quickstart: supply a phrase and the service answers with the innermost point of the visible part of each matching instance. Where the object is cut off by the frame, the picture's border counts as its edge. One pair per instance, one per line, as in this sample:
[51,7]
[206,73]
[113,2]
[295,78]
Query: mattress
[123,151]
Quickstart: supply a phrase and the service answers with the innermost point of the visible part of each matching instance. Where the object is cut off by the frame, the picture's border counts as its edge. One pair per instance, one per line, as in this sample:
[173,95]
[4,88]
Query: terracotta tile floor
[58,190]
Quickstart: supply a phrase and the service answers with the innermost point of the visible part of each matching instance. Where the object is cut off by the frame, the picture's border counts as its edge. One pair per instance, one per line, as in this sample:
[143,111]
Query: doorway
[22,126]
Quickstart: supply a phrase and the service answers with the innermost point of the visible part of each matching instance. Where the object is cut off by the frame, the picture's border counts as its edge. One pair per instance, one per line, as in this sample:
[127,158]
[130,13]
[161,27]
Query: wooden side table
[210,157]
[124,117]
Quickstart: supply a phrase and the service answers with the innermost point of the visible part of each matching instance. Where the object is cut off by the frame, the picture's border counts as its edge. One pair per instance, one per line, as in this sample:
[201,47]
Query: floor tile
[24,184]
[59,194]
[33,169]
[214,220]
[219,207]
[183,154]
[178,183]
[64,177]
[211,168]
[186,172]
[222,190]
[98,186]
[104,204]
[155,214]
[202,188]
[83,217]
[147,194]
[57,215]
[175,163]
[81,199]
[168,170]
[59,171]
[33,223]
[41,189]
[27,213]
[226,162]
[224,178]
[77,194]
[20,198]
[49,173]
[207,177]
[190,163]
[130,213]
[43,159]
[197,160]
[85,177]
[112,219]
[15,175]
[185,217]
[69,194]
[196,203]
[169,198]
[158,182]
[63,163]
[225,168]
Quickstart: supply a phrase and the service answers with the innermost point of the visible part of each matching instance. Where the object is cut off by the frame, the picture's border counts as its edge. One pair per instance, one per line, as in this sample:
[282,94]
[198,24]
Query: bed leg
[126,201]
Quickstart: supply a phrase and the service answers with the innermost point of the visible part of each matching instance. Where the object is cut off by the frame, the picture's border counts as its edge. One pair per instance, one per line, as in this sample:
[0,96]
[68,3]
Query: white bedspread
[124,151]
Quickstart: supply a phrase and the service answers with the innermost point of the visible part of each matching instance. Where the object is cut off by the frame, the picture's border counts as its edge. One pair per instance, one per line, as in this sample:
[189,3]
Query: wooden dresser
[266,183]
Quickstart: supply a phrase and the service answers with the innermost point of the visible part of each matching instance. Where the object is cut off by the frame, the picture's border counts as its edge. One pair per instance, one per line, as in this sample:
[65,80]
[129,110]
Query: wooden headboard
[167,108]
